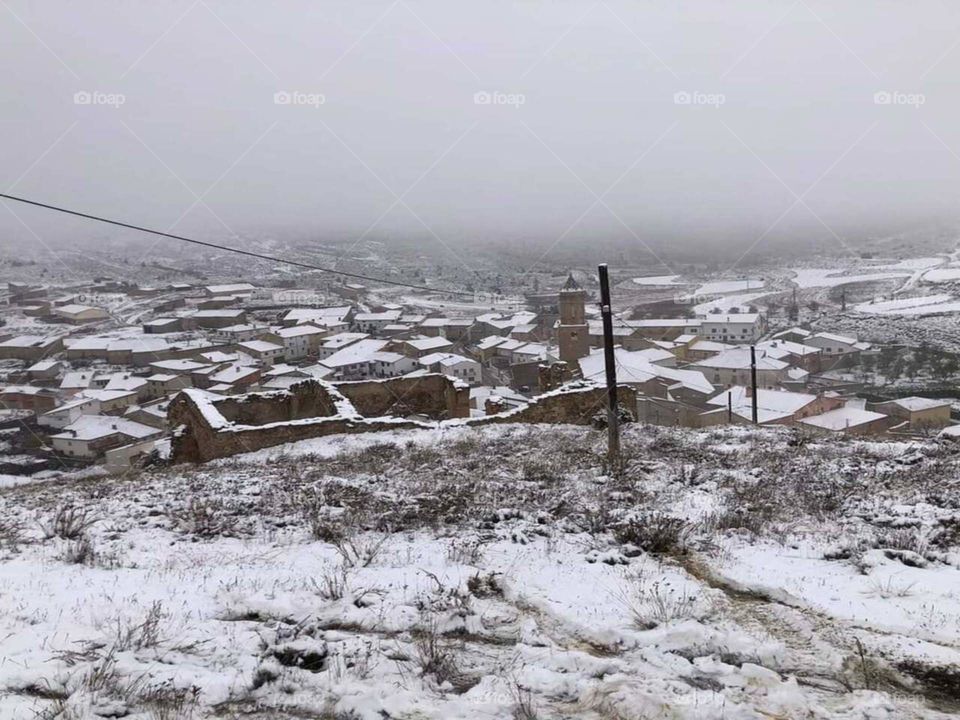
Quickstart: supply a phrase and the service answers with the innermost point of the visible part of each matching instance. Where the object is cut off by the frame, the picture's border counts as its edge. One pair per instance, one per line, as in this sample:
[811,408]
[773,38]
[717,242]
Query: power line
[226,248]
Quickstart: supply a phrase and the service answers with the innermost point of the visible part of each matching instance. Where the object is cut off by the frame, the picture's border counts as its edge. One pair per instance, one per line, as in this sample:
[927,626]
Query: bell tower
[573,333]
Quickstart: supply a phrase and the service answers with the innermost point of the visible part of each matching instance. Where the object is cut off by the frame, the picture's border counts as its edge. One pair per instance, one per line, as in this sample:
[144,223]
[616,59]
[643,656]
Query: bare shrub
[436,655]
[332,584]
[359,551]
[890,588]
[651,604]
[80,551]
[68,522]
[128,635]
[166,702]
[654,532]
[11,533]
[484,586]
[206,518]
[524,707]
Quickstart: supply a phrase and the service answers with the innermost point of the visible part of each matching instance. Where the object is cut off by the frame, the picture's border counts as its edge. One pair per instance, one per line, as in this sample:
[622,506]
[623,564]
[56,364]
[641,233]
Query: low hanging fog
[521,124]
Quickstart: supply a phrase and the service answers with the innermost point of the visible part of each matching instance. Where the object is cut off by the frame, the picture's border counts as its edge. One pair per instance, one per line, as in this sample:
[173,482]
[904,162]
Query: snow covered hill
[492,573]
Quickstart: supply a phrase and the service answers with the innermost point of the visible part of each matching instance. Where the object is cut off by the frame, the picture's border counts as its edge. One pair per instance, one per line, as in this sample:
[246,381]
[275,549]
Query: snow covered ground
[834,277]
[658,280]
[488,573]
[719,287]
[923,305]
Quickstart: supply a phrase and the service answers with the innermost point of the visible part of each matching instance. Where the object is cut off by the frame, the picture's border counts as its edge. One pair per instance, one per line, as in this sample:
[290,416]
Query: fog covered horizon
[548,124]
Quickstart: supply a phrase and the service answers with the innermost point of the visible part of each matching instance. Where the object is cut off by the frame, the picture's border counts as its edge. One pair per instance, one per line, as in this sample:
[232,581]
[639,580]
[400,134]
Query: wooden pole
[753,382]
[729,406]
[613,425]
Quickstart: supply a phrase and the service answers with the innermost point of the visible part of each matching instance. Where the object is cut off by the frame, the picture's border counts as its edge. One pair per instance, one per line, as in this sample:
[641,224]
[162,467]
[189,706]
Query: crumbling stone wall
[304,400]
[244,423]
[436,396]
[577,406]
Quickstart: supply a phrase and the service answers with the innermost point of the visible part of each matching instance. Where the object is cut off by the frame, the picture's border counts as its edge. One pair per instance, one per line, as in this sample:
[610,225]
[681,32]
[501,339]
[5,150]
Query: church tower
[573,333]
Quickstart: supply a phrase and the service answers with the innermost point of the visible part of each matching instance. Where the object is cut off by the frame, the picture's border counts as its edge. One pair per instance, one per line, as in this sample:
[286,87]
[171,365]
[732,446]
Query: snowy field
[659,280]
[493,573]
[924,305]
[720,287]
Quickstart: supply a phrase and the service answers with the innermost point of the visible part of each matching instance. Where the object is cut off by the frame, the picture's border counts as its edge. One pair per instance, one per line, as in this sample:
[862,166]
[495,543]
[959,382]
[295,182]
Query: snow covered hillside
[493,573]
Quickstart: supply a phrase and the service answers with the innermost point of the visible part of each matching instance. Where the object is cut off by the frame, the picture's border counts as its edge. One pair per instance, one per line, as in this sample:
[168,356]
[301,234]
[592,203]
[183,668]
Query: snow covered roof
[739,359]
[180,365]
[299,315]
[386,316]
[260,346]
[834,338]
[789,347]
[777,401]
[93,427]
[445,359]
[340,340]
[731,318]
[914,404]
[359,352]
[430,343]
[233,373]
[633,367]
[230,289]
[843,418]
[76,379]
[299,330]
[491,341]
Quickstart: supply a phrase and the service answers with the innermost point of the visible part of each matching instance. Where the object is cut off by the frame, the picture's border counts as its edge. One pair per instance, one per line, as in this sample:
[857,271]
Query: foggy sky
[598,80]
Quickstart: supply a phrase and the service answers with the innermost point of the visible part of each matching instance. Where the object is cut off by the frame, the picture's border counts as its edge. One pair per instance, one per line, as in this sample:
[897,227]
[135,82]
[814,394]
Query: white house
[453,365]
[373,322]
[732,327]
[90,436]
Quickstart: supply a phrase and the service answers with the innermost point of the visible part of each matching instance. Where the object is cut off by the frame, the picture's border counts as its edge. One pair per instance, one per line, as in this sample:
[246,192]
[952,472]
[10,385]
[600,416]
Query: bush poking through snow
[11,533]
[655,533]
[436,655]
[524,707]
[359,551]
[208,517]
[68,522]
[332,584]
[128,635]
[652,604]
[80,551]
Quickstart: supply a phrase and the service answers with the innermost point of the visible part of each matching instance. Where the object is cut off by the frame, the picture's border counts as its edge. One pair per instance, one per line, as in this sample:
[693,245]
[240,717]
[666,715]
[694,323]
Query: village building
[848,419]
[266,353]
[573,333]
[374,322]
[90,436]
[356,360]
[732,327]
[732,367]
[774,407]
[240,289]
[80,314]
[298,341]
[454,365]
[63,415]
[29,347]
[420,347]
[918,414]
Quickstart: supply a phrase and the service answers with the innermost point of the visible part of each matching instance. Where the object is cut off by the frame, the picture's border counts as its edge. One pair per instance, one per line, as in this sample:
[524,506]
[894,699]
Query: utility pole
[613,426]
[729,406]
[753,382]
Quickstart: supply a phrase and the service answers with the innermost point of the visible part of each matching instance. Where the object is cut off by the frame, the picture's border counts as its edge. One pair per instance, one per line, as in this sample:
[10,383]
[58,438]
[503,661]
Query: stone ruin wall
[262,420]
